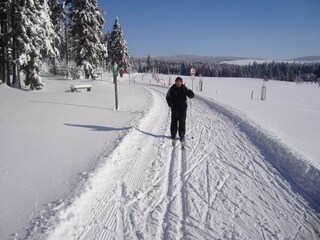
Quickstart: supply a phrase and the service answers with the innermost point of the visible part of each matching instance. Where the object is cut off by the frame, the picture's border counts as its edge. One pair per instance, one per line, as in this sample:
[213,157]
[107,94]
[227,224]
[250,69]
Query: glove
[190,94]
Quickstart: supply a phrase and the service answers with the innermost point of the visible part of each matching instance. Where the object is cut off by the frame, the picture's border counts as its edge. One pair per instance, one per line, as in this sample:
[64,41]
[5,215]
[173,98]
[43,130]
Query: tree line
[284,71]
[52,31]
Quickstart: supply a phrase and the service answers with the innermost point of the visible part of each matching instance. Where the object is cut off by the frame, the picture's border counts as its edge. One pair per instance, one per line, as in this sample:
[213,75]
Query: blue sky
[275,29]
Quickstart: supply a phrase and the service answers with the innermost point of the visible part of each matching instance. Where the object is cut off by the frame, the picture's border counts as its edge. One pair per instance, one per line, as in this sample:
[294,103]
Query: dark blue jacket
[177,96]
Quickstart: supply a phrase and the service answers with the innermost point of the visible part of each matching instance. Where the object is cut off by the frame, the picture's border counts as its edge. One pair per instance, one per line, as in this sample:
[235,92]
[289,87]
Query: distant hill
[186,58]
[307,59]
[197,58]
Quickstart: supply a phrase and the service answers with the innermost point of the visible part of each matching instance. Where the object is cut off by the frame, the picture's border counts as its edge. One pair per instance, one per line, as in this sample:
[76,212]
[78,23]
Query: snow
[290,112]
[71,167]
[50,137]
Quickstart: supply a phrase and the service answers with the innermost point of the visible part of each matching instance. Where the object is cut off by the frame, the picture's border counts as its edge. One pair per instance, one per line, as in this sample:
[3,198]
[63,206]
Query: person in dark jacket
[177,101]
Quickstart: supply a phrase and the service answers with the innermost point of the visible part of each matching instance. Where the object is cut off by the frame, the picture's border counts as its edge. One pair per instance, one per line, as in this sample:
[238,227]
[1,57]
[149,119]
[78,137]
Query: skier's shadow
[151,134]
[103,128]
[97,128]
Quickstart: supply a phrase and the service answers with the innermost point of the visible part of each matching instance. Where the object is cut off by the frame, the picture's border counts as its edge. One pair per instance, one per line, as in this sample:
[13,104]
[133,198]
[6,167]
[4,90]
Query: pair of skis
[182,142]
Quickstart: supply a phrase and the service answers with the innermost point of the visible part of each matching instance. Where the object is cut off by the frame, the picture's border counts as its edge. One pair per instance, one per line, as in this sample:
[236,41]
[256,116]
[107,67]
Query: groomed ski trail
[218,187]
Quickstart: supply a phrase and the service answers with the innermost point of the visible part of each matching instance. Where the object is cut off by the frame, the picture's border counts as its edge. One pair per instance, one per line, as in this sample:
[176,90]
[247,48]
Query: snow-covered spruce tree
[107,59]
[85,35]
[117,46]
[35,35]
[58,17]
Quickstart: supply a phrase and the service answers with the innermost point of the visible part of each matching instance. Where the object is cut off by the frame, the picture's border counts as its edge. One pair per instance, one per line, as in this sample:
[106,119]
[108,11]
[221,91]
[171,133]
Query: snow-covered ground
[73,168]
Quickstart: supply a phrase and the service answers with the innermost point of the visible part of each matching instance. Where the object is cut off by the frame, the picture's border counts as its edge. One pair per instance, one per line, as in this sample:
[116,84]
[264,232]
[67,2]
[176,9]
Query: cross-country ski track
[220,186]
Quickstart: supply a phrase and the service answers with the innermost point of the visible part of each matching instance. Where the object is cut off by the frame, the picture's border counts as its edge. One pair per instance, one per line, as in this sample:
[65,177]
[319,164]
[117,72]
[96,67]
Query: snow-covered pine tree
[117,46]
[58,18]
[35,34]
[106,42]
[85,34]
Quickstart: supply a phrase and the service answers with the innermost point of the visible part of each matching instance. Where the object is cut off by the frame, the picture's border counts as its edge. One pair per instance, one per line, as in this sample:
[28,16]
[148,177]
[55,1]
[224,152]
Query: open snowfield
[73,168]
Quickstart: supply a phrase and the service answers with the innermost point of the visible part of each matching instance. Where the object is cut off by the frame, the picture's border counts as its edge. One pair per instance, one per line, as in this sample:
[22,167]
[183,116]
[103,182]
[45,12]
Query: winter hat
[179,79]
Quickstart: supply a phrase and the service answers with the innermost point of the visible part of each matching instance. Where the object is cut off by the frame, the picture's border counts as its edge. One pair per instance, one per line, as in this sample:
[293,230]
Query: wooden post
[115,74]
[115,91]
[263,91]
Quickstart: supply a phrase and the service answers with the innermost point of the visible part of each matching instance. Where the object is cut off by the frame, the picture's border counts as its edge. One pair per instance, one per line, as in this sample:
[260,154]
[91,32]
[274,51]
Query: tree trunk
[4,68]
[8,68]
[4,52]
[15,67]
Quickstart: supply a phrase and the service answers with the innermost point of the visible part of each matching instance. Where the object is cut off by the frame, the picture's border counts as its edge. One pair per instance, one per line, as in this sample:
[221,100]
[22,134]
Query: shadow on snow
[97,128]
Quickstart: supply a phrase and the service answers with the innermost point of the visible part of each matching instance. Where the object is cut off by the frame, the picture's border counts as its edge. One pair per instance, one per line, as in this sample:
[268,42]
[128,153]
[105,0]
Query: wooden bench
[76,87]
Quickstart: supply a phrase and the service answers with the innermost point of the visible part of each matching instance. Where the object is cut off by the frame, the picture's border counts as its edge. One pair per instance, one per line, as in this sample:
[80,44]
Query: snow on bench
[76,87]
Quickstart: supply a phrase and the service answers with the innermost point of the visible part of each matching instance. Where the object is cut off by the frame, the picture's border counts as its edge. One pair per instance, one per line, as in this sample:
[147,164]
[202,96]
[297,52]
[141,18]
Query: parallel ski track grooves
[176,156]
[183,193]
[169,194]
[178,196]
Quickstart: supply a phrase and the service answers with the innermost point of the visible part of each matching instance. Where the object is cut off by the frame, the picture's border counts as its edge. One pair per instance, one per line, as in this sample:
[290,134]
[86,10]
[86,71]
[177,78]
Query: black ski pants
[178,121]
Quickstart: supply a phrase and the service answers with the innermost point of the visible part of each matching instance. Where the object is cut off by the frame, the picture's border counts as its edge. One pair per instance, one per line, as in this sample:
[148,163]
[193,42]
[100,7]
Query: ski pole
[191,119]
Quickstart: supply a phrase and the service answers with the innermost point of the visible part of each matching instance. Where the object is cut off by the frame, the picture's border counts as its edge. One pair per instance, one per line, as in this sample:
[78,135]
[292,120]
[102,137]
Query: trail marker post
[200,83]
[264,90]
[115,74]
[192,75]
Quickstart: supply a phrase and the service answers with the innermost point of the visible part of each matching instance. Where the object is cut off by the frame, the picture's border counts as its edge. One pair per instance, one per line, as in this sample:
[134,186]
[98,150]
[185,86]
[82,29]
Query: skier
[177,101]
